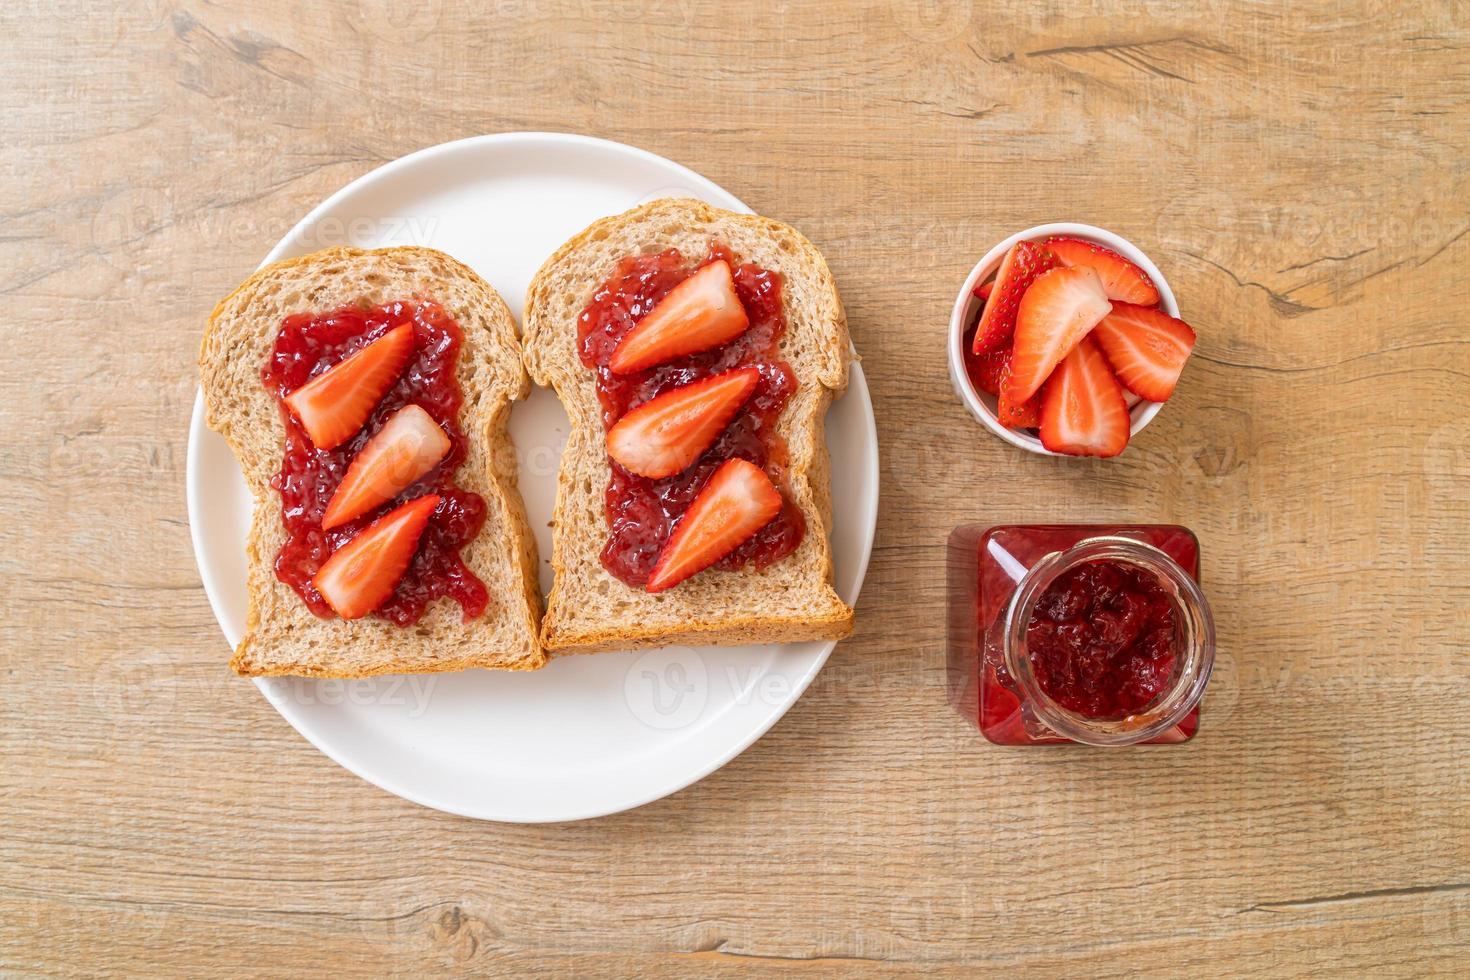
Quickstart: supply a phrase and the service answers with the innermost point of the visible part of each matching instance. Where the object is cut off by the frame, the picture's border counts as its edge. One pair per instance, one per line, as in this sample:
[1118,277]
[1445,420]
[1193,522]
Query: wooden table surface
[1301,178]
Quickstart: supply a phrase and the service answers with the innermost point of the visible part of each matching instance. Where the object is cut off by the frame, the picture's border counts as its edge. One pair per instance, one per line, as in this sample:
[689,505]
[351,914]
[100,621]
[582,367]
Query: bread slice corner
[282,635]
[589,610]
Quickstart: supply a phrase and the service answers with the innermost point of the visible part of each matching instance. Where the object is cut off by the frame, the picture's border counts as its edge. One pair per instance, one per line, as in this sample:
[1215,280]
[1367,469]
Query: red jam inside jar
[1101,639]
[641,512]
[308,345]
[1078,633]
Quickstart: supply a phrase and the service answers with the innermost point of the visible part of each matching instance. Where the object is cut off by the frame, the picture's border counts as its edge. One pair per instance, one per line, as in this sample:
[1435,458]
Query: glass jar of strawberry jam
[1078,633]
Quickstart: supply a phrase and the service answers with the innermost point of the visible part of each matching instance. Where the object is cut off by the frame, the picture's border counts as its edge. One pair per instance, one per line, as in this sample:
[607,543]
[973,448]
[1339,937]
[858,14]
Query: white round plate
[587,735]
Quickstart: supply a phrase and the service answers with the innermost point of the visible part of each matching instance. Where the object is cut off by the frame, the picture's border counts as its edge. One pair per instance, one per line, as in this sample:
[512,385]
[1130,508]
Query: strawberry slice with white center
[737,501]
[666,434]
[701,312]
[1082,410]
[362,574]
[1122,280]
[333,405]
[408,445]
[1018,270]
[1146,347]
[1058,310]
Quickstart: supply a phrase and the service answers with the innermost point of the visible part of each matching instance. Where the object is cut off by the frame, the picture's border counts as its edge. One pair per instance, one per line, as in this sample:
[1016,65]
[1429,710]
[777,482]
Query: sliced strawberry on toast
[737,501]
[362,574]
[1082,409]
[333,405]
[1018,270]
[666,434]
[701,312]
[408,445]
[1059,309]
[1123,281]
[1146,347]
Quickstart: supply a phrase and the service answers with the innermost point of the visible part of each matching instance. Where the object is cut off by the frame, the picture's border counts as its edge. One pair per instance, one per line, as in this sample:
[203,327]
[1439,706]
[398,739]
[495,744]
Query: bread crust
[282,636]
[590,610]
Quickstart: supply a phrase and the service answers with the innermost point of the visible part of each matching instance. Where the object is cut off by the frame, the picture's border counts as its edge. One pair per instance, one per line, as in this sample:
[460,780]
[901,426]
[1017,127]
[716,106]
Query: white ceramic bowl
[967,305]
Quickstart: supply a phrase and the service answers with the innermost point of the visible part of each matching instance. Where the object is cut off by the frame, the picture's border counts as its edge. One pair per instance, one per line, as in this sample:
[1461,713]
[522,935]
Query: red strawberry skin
[1018,270]
[1146,347]
[988,373]
[1026,415]
[1058,310]
[988,370]
[1082,408]
[1123,281]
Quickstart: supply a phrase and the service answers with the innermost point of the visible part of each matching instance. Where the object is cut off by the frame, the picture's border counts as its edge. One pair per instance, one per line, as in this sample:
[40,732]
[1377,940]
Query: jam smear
[642,512]
[1101,639]
[308,345]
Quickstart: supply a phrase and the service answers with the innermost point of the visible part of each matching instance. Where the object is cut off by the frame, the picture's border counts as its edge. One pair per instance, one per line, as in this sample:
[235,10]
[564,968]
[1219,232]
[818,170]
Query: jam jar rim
[1197,627]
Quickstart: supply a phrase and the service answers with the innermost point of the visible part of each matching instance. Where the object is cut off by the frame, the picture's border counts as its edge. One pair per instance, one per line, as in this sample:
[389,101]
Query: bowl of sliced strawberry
[1066,341]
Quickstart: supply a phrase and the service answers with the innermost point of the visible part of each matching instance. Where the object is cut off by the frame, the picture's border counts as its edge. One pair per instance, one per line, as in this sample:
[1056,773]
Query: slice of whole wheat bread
[589,609]
[282,635]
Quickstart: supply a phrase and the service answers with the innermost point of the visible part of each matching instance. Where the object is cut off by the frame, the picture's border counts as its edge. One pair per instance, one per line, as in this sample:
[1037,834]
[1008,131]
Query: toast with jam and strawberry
[696,352]
[366,395]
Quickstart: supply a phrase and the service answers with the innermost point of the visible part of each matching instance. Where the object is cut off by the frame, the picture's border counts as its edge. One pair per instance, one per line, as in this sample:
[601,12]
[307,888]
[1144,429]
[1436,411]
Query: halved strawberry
[1082,410]
[1058,310]
[737,501]
[1146,347]
[408,445]
[362,574]
[1122,280]
[333,405]
[701,312]
[985,289]
[1022,264]
[664,435]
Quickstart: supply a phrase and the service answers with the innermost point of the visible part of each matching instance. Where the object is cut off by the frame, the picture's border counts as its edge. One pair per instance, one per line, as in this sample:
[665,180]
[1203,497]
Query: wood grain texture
[1298,171]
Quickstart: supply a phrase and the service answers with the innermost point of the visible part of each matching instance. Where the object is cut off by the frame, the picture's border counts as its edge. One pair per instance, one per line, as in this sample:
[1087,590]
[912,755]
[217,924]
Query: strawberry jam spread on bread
[689,377]
[374,520]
